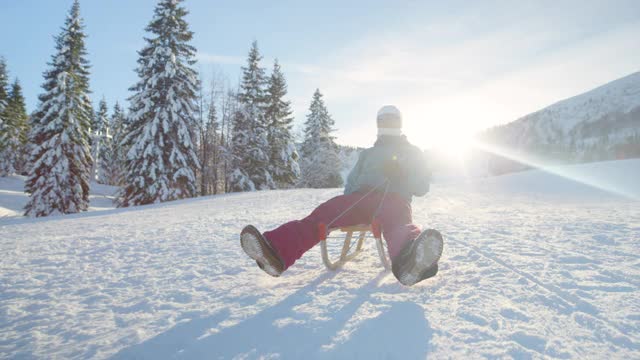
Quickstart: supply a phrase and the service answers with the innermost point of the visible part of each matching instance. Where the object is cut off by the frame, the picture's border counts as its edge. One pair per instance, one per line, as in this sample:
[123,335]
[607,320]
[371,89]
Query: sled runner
[348,231]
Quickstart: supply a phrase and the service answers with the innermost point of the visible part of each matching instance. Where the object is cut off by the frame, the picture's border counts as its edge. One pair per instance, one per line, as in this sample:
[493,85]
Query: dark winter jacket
[395,159]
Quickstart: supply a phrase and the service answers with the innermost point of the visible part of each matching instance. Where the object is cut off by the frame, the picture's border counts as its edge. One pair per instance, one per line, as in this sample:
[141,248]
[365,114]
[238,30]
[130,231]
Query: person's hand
[393,170]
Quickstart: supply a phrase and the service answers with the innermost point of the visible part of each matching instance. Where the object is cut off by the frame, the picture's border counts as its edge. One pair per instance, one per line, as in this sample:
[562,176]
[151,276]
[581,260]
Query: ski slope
[535,265]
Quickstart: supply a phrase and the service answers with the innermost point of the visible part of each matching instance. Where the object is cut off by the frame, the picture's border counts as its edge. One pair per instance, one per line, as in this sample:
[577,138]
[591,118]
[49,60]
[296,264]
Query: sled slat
[346,246]
[353,228]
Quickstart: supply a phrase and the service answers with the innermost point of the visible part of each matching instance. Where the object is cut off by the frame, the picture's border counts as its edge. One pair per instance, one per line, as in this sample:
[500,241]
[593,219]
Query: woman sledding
[380,186]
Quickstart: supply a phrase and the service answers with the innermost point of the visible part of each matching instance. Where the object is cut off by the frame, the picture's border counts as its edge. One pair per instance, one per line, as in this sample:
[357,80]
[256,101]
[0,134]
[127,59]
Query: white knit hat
[389,121]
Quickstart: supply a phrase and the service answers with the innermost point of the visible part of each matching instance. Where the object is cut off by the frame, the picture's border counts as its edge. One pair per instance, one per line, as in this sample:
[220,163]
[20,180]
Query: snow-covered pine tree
[208,138]
[16,131]
[162,160]
[109,162]
[119,148]
[283,162]
[98,122]
[100,144]
[209,146]
[250,144]
[5,163]
[4,82]
[239,178]
[320,165]
[60,161]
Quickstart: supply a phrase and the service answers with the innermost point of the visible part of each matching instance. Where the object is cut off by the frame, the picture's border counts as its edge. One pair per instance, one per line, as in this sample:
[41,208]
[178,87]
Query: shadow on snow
[400,331]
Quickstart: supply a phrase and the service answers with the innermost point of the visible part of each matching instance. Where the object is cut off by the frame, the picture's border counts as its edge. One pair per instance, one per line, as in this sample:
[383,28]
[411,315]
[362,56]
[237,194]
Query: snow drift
[13,198]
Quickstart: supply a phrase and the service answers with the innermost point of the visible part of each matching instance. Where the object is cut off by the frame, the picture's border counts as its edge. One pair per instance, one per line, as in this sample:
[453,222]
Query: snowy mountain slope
[603,123]
[13,199]
[621,95]
[526,273]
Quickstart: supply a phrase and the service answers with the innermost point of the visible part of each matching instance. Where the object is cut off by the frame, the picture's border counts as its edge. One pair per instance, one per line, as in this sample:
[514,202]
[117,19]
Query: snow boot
[418,260]
[259,249]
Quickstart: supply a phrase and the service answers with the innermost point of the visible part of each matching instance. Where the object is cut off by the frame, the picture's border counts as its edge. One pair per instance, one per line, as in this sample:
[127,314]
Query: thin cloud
[472,82]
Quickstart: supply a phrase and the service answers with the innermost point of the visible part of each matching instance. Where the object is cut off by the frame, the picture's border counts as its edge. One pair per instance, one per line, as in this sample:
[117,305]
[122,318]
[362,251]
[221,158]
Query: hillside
[601,124]
[551,270]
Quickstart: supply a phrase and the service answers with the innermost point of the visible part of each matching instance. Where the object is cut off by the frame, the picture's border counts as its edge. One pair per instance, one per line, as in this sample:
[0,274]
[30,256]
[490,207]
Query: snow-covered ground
[534,266]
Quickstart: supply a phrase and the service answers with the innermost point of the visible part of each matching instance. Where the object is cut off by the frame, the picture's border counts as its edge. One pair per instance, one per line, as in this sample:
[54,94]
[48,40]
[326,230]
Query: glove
[394,171]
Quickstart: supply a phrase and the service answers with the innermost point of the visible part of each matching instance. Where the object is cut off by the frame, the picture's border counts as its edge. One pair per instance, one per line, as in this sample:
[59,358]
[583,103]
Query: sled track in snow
[572,301]
[614,274]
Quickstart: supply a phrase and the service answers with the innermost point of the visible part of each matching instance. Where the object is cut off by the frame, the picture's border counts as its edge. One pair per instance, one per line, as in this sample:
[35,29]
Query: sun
[442,139]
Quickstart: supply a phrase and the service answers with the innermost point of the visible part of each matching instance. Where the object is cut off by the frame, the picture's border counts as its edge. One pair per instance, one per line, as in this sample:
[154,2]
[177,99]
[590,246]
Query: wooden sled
[348,231]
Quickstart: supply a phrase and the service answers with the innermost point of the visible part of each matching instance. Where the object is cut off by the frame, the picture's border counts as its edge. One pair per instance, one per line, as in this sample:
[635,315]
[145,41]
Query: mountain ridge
[600,124]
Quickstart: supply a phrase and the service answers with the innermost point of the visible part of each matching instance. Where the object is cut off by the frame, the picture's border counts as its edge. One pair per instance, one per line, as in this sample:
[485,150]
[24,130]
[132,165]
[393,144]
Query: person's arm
[352,179]
[419,174]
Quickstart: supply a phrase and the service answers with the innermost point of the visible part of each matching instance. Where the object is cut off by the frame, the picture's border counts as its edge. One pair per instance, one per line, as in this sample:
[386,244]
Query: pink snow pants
[294,238]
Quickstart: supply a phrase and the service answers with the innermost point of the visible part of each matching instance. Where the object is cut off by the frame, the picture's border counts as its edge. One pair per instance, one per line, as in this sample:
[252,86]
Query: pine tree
[119,148]
[5,163]
[101,142]
[239,178]
[60,162]
[320,160]
[283,162]
[162,161]
[101,121]
[208,138]
[109,167]
[250,143]
[4,82]
[209,149]
[16,131]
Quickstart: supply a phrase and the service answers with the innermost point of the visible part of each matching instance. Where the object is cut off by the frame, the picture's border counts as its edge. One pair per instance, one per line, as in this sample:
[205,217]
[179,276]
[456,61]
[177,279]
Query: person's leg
[293,239]
[414,254]
[397,226]
[418,260]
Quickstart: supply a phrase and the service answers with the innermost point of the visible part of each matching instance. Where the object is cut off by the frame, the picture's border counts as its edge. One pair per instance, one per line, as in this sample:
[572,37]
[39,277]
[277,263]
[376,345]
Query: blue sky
[452,67]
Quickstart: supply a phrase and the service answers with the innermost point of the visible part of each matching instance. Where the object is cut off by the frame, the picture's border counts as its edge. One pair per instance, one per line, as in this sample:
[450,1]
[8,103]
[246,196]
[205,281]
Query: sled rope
[384,195]
[356,203]
[374,228]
